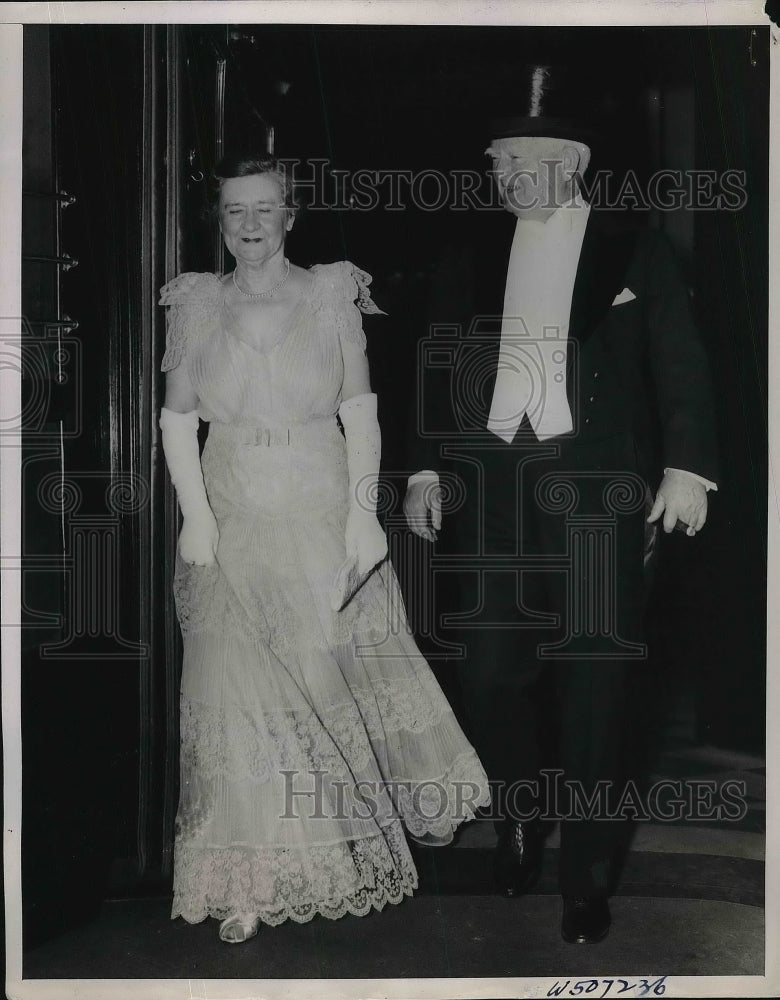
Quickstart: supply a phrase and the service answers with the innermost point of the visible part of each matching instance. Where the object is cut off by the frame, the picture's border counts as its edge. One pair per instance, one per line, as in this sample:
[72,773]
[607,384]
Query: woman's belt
[274,437]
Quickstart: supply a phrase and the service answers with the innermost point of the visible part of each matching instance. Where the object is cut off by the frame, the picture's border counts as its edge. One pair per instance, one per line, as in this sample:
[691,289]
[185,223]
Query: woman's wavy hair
[244,164]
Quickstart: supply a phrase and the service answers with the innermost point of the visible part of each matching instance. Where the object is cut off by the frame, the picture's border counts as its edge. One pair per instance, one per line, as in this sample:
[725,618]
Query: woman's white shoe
[238,928]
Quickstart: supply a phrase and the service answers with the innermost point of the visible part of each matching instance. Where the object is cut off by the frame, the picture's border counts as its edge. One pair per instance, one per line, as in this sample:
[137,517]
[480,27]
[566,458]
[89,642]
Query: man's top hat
[550,100]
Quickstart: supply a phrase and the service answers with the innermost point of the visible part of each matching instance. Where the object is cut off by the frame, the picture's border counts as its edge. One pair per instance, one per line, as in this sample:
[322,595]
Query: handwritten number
[643,987]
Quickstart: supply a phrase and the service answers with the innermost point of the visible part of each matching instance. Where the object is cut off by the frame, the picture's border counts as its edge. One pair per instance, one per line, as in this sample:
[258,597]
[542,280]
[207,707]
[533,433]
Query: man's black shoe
[585,921]
[518,857]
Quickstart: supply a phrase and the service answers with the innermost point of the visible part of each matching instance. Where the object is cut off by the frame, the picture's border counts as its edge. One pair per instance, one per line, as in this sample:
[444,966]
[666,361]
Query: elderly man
[573,406]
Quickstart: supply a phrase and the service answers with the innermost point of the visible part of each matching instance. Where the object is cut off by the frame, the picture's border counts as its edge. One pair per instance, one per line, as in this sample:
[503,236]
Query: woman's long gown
[309,738]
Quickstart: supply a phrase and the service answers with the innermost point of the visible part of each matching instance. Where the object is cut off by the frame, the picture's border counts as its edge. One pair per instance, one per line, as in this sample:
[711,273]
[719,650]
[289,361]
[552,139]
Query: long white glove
[199,534]
[364,535]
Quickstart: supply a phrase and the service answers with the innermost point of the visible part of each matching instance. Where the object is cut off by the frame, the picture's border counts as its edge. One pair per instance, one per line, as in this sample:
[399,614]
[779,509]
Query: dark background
[126,120]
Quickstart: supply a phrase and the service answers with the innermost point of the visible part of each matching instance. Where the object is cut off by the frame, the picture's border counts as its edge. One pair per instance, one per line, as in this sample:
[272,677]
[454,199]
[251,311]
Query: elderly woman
[310,736]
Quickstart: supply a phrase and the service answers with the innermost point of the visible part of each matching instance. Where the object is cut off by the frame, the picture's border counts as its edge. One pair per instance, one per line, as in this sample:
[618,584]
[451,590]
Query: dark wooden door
[90,137]
[121,125]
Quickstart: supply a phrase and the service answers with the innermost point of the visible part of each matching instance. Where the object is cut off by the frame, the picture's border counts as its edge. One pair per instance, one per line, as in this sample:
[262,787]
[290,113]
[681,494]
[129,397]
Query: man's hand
[422,507]
[680,497]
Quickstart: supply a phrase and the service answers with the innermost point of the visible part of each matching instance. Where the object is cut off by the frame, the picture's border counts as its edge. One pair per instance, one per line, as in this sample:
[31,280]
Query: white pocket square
[625,296]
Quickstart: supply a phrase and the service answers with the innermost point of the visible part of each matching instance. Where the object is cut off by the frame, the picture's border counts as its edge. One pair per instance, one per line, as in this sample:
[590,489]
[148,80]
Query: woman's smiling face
[253,218]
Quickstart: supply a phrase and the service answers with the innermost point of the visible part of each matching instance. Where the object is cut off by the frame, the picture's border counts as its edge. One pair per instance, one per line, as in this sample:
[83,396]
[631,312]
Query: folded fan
[347,582]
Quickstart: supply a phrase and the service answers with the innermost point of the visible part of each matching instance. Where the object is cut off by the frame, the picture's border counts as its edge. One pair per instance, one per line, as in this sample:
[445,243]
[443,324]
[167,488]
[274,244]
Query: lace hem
[234,742]
[433,809]
[431,778]
[400,704]
[280,884]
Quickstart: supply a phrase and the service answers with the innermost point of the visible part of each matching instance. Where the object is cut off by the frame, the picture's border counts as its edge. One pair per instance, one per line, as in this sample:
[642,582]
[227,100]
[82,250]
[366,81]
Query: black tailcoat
[567,515]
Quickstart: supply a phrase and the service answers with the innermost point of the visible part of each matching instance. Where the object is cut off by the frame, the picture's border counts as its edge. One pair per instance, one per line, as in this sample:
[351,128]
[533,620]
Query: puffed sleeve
[354,289]
[176,295]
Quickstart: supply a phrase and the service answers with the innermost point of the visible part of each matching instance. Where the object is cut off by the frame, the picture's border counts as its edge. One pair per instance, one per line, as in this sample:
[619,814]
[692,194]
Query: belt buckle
[264,435]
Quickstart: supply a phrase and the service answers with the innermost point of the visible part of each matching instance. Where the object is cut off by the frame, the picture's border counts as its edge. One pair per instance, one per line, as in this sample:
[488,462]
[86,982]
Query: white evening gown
[309,738]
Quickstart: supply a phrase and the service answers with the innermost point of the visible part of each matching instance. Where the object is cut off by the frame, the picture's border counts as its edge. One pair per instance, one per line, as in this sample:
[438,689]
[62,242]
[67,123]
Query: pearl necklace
[254,296]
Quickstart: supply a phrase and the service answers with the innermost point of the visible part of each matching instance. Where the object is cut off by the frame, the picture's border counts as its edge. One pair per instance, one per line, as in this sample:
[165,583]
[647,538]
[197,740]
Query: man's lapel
[482,331]
[601,274]
[492,262]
